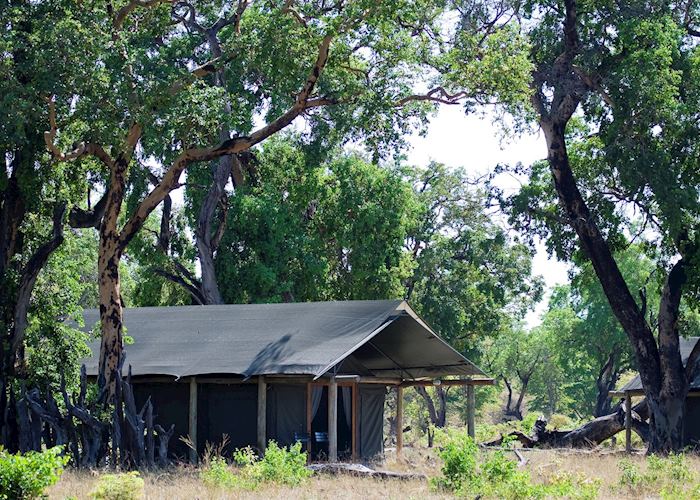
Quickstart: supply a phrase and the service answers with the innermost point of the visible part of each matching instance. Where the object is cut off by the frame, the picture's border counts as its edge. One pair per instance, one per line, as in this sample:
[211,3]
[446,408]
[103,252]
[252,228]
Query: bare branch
[438,94]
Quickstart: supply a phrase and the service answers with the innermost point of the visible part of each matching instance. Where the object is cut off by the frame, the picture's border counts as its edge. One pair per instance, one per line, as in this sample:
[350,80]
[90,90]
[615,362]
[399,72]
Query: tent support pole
[354,422]
[628,422]
[399,420]
[333,421]
[471,404]
[193,420]
[262,414]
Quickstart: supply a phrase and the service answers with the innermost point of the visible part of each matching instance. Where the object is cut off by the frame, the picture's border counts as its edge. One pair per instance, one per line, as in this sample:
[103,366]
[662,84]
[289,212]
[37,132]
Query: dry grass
[184,483]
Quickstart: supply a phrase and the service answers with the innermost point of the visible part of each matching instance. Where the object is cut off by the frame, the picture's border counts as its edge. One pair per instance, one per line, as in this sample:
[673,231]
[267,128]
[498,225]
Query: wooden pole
[628,422]
[399,420]
[193,420]
[471,404]
[354,422]
[262,414]
[333,421]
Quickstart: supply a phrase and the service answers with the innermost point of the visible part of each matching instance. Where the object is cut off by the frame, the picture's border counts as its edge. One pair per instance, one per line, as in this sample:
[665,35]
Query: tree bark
[110,252]
[588,435]
[605,382]
[438,415]
[205,242]
[660,368]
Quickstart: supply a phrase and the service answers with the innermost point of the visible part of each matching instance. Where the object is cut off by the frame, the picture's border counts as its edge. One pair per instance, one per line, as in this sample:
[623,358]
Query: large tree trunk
[205,241]
[110,252]
[661,369]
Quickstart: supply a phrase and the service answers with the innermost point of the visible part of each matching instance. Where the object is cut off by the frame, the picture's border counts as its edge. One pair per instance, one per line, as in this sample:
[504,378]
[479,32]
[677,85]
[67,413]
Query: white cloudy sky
[474,143]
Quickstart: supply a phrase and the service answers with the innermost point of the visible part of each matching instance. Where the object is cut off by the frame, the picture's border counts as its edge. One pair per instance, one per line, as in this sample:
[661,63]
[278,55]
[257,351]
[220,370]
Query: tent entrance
[317,420]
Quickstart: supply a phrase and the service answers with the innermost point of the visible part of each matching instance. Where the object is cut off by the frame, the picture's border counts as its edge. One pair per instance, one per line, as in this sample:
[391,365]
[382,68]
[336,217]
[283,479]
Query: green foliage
[123,486]
[218,474]
[279,465]
[468,471]
[26,476]
[669,477]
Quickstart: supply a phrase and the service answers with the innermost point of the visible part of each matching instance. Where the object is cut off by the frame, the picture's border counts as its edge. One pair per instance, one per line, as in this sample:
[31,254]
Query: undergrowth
[26,476]
[123,486]
[668,477]
[279,465]
[469,471]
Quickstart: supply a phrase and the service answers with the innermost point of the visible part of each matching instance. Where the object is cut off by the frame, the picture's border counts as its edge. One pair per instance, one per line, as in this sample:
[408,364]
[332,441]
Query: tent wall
[692,421]
[286,412]
[370,419]
[227,409]
[170,406]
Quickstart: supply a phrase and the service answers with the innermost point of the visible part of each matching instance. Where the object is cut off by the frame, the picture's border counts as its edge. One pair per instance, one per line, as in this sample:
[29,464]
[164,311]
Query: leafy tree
[614,91]
[516,357]
[470,279]
[34,194]
[315,231]
[163,109]
[586,65]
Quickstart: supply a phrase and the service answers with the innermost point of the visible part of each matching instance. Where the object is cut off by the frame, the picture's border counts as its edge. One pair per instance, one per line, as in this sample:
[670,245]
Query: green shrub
[218,474]
[459,455]
[26,476]
[125,486]
[630,476]
[471,472]
[284,466]
[279,465]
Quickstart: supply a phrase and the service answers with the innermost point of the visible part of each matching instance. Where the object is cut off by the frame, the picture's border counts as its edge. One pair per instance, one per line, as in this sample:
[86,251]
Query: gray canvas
[371,420]
[385,338]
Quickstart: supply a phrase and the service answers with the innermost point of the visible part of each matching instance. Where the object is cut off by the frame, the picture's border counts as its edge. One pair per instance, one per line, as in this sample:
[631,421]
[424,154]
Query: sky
[474,143]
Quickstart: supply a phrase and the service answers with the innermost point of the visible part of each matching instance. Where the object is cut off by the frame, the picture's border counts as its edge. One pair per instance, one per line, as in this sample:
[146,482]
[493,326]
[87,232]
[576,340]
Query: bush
[284,466]
[126,486]
[217,473]
[26,476]
[279,465]
[469,471]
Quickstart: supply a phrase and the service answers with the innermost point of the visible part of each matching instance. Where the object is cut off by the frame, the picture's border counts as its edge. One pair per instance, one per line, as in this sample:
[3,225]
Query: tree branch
[30,274]
[228,147]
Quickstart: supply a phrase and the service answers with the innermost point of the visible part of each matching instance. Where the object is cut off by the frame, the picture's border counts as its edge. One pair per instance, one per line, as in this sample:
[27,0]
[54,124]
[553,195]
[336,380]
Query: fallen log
[590,434]
[360,470]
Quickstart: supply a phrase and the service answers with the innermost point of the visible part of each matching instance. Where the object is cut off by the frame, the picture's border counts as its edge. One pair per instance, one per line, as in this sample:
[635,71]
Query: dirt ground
[184,483]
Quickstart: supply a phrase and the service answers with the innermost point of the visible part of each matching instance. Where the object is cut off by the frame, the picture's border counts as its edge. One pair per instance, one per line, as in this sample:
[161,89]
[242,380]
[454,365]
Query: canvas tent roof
[686,345]
[381,337]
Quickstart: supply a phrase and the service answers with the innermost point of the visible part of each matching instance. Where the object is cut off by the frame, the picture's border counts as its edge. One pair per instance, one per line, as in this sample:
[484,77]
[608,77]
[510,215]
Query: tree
[630,74]
[469,281]
[33,194]
[161,108]
[332,230]
[633,77]
[515,357]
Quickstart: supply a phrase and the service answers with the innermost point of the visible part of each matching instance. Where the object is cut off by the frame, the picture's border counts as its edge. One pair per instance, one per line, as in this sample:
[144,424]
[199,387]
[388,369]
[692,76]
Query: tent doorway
[317,420]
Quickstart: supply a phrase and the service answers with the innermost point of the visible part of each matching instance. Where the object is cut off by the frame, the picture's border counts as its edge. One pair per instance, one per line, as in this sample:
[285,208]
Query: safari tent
[314,372]
[691,431]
